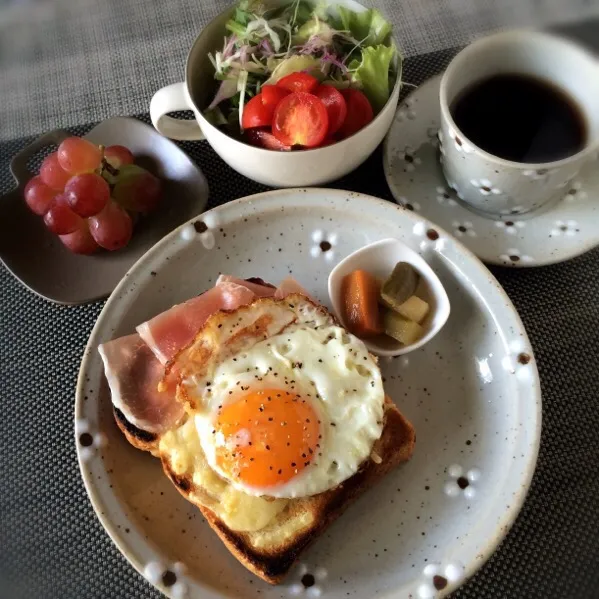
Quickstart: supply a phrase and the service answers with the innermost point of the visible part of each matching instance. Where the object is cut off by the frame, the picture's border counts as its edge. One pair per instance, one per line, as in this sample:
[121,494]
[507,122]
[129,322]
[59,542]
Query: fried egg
[286,403]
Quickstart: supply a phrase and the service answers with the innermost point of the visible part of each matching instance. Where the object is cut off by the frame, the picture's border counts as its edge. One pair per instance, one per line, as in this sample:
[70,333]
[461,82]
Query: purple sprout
[229,46]
[313,46]
[266,47]
[243,54]
[334,60]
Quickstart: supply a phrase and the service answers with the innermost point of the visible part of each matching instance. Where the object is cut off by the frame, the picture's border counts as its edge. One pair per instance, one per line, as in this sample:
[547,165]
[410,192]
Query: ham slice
[133,374]
[134,365]
[174,329]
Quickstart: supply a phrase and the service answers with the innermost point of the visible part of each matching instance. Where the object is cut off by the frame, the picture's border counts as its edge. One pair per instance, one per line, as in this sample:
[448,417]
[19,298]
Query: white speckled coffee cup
[492,185]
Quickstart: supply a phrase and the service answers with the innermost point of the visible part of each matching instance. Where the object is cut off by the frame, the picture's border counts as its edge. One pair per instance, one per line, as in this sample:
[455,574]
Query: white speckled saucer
[411,162]
[472,394]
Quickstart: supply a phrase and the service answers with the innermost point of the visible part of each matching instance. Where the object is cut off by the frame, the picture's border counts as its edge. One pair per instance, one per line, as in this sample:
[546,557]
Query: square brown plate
[37,257]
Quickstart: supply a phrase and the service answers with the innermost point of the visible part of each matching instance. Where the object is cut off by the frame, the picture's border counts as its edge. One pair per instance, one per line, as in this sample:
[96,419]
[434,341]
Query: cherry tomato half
[300,119]
[335,104]
[298,82]
[272,95]
[263,138]
[256,114]
[359,112]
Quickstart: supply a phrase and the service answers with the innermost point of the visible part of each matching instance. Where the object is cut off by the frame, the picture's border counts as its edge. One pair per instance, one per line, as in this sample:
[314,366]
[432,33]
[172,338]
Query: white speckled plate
[411,162]
[472,393]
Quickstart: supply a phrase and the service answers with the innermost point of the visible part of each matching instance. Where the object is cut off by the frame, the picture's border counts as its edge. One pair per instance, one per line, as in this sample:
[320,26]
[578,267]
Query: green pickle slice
[400,285]
[414,308]
[403,330]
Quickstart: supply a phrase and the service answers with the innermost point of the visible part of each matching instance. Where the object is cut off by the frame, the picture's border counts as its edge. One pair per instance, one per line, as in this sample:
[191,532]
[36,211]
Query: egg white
[323,363]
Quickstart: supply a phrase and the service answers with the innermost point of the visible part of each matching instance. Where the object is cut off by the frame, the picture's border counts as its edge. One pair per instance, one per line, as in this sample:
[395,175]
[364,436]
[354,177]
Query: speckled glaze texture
[553,233]
[488,183]
[472,394]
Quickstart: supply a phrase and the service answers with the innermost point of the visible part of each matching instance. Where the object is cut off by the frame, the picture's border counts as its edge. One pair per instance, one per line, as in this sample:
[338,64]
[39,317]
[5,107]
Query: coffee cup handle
[170,99]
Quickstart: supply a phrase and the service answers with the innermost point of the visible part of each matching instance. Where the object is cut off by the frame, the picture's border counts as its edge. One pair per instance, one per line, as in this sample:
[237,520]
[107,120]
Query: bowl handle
[170,99]
[18,164]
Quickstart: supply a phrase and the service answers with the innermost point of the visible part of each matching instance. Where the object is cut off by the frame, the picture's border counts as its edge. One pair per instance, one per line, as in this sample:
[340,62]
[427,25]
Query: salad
[301,75]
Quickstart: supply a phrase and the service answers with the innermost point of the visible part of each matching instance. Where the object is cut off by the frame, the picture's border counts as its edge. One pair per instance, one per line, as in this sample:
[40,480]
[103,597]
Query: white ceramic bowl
[472,394]
[278,169]
[379,259]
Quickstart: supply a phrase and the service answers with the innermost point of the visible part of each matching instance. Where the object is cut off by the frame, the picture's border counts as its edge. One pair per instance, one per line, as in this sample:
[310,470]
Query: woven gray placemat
[52,545]
[92,60]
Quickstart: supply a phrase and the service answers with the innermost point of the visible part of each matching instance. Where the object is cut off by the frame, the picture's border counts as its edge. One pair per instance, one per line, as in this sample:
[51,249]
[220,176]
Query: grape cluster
[89,195]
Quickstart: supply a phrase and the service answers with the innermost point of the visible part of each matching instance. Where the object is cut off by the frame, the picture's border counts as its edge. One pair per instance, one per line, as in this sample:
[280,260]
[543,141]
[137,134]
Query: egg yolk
[270,436]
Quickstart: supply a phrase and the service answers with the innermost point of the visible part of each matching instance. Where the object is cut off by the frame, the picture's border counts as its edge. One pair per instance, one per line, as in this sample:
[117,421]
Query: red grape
[112,228]
[59,218]
[80,241]
[52,174]
[38,195]
[136,189]
[118,156]
[87,194]
[77,155]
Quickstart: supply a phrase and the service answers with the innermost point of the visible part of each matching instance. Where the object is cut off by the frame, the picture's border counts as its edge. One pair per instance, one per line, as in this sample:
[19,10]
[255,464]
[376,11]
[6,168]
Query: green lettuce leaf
[247,8]
[246,11]
[237,28]
[371,73]
[314,26]
[298,12]
[369,25]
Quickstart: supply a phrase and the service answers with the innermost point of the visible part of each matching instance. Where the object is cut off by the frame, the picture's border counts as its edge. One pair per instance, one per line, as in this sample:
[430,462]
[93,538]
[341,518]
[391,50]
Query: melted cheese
[270,523]
[281,529]
[239,511]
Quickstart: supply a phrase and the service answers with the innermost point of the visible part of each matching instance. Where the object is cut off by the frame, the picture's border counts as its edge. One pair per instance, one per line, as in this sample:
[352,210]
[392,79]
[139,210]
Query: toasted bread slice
[139,438]
[272,562]
[268,553]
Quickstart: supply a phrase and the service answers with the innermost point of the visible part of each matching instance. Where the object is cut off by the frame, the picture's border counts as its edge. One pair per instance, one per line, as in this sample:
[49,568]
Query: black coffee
[520,118]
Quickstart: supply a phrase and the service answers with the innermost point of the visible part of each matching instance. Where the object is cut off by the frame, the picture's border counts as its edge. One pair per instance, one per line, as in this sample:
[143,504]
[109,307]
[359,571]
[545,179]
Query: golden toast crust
[139,438]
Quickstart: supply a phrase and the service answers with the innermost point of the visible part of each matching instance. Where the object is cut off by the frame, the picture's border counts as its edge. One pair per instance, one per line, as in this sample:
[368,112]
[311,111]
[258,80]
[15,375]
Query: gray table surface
[69,64]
